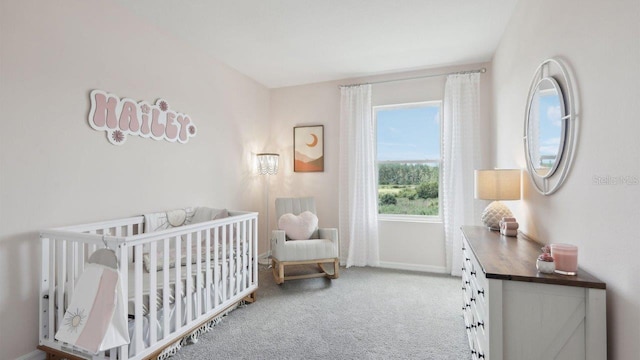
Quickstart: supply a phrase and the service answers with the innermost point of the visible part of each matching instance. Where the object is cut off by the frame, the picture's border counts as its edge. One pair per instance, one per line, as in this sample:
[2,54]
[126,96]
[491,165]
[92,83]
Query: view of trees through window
[408,152]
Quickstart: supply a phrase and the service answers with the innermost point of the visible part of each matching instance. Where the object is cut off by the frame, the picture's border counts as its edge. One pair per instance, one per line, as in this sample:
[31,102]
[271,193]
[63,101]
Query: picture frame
[308,148]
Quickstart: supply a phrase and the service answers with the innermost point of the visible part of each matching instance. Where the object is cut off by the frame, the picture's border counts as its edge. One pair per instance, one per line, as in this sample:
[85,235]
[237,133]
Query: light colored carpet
[368,313]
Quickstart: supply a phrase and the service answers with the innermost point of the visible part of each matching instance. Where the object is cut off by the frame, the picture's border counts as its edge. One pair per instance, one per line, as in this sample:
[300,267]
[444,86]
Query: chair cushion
[302,250]
[298,227]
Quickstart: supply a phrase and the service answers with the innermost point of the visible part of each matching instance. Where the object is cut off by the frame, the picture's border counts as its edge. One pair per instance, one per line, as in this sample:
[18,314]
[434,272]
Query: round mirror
[550,127]
[546,127]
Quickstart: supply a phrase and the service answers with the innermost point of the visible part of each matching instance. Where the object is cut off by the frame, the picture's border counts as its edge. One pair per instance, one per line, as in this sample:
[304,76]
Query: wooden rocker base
[278,269]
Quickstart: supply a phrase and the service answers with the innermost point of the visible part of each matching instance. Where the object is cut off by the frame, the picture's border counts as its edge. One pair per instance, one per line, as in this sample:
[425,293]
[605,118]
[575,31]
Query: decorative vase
[546,267]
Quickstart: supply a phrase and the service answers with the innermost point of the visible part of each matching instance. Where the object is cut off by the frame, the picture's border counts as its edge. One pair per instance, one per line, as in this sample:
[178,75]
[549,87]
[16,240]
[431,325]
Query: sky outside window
[411,133]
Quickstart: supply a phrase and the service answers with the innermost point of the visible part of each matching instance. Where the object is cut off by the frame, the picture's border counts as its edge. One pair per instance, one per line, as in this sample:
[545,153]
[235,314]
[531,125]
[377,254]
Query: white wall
[418,246]
[601,43]
[55,170]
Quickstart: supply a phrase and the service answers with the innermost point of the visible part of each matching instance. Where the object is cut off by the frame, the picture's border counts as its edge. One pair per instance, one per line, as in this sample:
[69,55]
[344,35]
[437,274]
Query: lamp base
[493,213]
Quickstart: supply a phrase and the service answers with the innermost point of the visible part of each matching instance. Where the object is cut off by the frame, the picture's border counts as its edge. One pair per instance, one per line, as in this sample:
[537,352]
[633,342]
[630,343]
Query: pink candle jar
[566,258]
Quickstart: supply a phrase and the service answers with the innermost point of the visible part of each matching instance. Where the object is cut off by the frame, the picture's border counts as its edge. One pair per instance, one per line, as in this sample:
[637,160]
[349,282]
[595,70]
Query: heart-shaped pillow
[298,227]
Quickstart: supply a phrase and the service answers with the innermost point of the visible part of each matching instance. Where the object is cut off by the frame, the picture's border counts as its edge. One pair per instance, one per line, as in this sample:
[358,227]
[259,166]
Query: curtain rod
[482,70]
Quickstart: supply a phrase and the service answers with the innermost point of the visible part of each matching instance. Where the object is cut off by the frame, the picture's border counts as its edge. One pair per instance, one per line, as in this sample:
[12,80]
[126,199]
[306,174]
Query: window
[408,153]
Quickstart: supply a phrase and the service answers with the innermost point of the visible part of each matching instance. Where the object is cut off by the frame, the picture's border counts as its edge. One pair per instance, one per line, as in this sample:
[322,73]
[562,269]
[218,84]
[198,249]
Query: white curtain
[358,184]
[459,159]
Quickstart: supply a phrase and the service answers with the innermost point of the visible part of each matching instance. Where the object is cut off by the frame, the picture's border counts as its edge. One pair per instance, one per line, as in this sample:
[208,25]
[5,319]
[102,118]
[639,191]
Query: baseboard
[34,355]
[413,267]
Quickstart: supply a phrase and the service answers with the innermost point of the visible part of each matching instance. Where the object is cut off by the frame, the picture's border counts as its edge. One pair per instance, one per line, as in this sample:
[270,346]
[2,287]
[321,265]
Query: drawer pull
[473,272]
[464,288]
[463,269]
[467,259]
[480,323]
[473,299]
[480,355]
[467,282]
[473,352]
[481,292]
[467,305]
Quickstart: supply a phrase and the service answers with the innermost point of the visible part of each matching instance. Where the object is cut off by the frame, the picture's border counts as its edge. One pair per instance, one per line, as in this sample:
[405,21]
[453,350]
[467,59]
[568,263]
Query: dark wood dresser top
[514,258]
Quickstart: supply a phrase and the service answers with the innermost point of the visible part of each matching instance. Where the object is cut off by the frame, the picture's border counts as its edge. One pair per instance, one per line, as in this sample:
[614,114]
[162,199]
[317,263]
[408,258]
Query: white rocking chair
[321,248]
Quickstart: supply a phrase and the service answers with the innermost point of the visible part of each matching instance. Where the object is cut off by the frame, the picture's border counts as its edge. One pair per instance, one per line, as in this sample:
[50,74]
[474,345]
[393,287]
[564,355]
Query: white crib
[215,269]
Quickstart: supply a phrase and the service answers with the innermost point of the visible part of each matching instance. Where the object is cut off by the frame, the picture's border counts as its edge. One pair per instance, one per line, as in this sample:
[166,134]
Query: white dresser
[512,312]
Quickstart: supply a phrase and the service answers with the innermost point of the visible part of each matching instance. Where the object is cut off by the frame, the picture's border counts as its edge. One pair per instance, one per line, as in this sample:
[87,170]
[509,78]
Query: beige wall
[417,246]
[55,170]
[601,43]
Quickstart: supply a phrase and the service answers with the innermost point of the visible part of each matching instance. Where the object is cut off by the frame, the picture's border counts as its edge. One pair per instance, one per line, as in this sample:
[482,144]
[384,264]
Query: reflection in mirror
[546,127]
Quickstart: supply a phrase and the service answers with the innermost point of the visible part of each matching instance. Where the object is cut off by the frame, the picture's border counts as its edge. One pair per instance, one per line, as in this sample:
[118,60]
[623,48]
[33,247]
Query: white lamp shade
[498,184]
[267,163]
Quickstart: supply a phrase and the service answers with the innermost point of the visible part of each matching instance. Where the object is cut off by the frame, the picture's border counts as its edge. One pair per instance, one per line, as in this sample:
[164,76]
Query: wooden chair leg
[278,271]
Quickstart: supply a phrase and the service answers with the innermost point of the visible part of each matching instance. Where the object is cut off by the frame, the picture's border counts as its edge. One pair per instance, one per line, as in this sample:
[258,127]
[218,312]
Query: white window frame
[407,217]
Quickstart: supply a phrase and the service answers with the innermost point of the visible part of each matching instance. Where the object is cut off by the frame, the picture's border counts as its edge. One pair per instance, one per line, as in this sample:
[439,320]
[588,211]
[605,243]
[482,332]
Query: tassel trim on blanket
[192,337]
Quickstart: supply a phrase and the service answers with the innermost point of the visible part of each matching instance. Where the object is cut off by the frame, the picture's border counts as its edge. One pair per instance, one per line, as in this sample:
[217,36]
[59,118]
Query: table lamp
[496,184]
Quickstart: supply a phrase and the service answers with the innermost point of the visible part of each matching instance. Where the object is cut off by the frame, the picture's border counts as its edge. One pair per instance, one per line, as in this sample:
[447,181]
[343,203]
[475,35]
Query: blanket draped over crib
[96,319]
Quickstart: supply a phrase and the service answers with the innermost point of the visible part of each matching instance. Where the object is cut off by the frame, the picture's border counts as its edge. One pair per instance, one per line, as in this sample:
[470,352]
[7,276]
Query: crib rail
[173,279]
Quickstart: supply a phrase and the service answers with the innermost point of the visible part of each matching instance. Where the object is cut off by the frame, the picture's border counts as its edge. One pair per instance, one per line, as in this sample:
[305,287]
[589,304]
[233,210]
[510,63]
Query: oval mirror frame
[550,74]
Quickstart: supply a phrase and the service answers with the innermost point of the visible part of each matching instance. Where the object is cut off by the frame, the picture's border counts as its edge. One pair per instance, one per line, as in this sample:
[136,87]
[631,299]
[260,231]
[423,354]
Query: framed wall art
[308,148]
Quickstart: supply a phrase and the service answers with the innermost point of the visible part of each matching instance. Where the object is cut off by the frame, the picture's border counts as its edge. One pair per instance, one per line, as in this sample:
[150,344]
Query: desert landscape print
[308,147]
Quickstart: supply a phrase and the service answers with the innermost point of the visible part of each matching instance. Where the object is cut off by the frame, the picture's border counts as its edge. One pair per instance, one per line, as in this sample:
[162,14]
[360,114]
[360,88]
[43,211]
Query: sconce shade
[499,184]
[267,163]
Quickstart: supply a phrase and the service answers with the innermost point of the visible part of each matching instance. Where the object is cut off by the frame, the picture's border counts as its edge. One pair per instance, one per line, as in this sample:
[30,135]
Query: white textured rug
[367,313]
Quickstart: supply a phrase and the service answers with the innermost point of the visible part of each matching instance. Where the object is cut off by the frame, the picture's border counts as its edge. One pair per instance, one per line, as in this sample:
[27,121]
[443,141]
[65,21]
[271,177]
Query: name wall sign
[123,117]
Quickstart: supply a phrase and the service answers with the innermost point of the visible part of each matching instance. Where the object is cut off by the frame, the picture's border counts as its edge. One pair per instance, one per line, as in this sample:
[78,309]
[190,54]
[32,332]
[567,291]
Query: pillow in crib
[202,214]
[298,227]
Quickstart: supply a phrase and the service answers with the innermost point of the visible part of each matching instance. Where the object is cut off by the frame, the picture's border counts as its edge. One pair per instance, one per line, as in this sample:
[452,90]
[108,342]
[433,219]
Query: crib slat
[254,247]
[71,268]
[81,258]
[124,278]
[153,292]
[244,255]
[138,320]
[189,281]
[224,273]
[52,287]
[61,261]
[198,308]
[166,312]
[207,298]
[178,284]
[217,276]
[238,257]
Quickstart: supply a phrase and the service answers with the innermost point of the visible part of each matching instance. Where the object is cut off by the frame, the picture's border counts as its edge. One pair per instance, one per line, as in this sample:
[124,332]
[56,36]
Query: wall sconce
[498,184]
[267,163]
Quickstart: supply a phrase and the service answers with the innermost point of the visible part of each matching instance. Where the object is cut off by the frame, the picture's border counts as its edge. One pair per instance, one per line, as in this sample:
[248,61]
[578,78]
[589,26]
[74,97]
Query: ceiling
[291,42]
